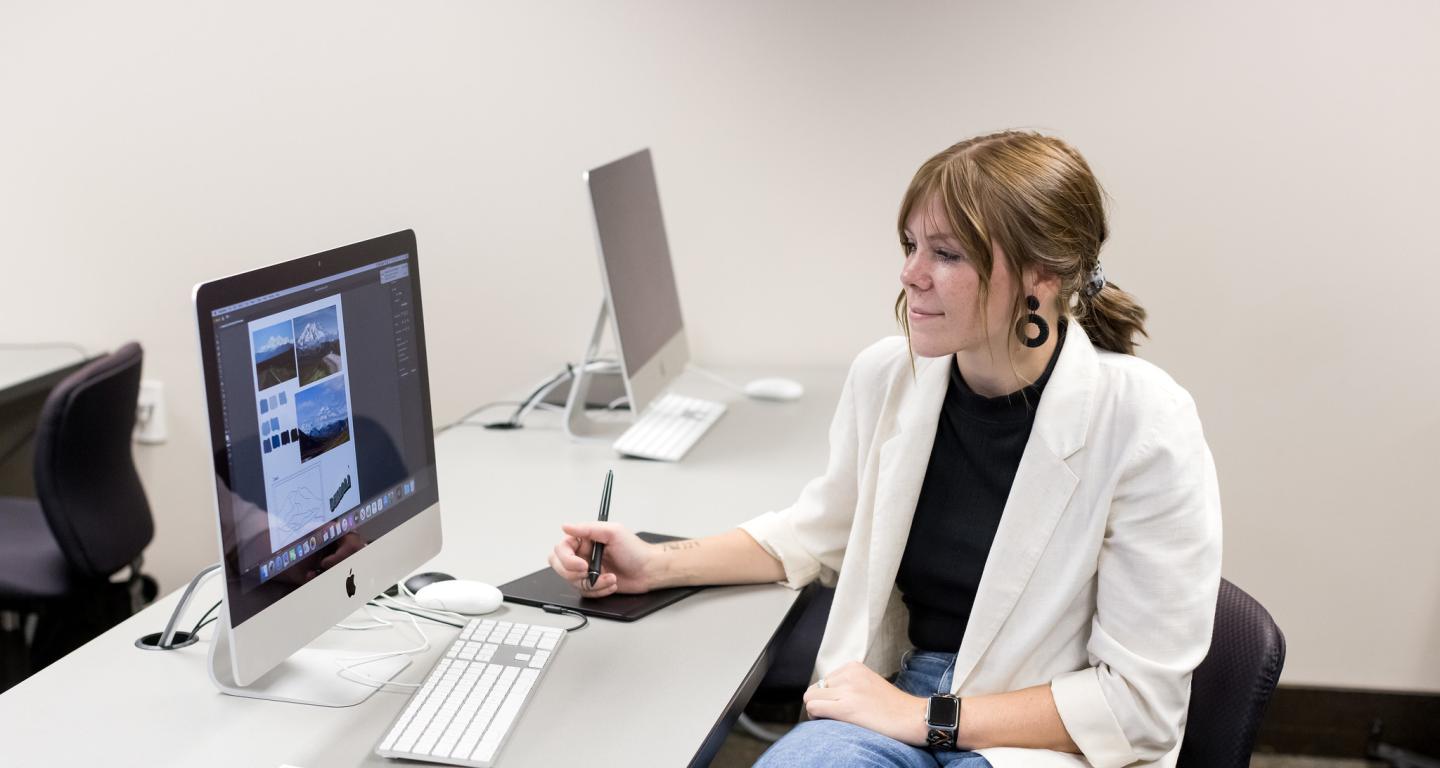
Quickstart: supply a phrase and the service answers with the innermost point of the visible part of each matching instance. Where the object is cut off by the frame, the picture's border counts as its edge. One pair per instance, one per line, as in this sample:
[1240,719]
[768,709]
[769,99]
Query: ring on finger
[822,683]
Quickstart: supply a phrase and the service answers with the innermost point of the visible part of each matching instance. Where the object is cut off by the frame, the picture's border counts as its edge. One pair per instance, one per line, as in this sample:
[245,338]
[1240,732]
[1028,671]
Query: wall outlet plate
[150,413]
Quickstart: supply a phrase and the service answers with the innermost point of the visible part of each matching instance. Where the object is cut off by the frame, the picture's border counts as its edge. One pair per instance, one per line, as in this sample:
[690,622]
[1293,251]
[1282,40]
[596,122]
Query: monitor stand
[310,676]
[579,424]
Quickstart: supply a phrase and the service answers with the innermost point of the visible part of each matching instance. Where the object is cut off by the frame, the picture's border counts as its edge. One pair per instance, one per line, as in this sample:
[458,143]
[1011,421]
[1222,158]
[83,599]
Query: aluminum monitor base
[580,425]
[310,676]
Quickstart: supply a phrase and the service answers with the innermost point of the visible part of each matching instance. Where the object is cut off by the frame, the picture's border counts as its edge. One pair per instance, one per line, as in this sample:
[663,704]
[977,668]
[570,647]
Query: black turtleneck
[977,451]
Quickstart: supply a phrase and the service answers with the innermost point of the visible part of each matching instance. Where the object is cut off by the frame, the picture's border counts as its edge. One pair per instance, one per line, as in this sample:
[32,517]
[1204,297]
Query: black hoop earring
[1043,328]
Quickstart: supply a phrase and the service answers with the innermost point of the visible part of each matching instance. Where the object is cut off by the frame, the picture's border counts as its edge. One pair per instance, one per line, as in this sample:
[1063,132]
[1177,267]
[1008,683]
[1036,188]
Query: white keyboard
[472,698]
[669,427]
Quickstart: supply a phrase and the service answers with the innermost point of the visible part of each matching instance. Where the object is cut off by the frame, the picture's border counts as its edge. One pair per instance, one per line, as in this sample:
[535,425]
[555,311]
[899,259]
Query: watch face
[944,712]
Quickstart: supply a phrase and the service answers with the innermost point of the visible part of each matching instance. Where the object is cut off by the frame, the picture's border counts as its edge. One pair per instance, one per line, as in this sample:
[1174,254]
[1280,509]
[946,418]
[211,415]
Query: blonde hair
[1035,197]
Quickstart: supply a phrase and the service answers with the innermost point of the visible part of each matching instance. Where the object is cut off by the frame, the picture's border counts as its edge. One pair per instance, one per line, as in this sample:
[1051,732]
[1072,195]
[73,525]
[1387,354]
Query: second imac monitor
[639,284]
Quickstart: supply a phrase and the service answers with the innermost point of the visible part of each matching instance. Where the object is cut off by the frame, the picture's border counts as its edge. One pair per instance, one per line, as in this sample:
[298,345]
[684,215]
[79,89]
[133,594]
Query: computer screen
[640,289]
[320,418]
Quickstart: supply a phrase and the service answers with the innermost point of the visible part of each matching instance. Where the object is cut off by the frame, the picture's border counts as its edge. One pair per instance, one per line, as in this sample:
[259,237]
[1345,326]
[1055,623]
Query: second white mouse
[468,597]
[774,389]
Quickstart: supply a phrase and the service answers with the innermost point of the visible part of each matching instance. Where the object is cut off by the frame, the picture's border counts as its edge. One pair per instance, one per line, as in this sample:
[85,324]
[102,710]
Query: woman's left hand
[855,694]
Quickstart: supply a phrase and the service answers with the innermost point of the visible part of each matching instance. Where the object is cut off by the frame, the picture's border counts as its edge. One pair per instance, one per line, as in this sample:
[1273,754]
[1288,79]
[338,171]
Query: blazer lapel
[1041,491]
[903,460]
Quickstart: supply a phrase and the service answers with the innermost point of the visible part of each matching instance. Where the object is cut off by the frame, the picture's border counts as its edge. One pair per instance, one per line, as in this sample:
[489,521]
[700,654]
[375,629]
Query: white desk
[661,691]
[26,370]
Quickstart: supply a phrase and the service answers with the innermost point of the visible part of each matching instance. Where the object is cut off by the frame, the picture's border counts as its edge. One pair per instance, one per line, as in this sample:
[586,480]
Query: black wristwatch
[942,717]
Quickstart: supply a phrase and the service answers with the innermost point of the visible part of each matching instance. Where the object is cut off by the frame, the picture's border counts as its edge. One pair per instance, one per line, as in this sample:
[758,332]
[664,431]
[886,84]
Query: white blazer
[1103,576]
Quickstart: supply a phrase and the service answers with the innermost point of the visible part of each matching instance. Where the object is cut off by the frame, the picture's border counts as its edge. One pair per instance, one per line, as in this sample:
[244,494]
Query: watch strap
[940,738]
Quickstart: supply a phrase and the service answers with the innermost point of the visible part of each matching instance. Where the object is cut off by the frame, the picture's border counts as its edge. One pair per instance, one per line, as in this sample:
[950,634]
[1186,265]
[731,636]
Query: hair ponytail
[1111,318]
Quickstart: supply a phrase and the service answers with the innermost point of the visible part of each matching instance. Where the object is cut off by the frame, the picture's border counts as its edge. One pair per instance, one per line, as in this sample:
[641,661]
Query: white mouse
[774,389]
[468,597]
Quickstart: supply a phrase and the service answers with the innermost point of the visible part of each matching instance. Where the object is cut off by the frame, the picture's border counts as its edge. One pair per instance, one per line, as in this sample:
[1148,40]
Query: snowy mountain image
[324,417]
[312,337]
[273,346]
[274,354]
[317,343]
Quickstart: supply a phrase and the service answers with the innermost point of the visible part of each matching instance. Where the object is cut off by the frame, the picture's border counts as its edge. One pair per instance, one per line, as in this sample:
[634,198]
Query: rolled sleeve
[1157,579]
[809,537]
[773,532]
[1088,719]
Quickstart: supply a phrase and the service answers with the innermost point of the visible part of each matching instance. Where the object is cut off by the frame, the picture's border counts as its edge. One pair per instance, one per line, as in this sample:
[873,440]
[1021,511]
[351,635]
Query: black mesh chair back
[85,474]
[1232,686]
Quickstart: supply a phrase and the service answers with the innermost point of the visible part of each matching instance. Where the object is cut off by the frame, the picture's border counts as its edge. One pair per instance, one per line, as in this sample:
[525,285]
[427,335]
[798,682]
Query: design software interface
[323,432]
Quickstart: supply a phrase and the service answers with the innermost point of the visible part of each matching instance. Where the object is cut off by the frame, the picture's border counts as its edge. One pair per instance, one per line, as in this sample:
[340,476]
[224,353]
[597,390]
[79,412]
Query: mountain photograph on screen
[274,355]
[317,344]
[324,418]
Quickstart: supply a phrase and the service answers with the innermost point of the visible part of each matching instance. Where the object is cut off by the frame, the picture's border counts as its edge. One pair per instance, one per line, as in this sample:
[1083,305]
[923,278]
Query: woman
[1027,515]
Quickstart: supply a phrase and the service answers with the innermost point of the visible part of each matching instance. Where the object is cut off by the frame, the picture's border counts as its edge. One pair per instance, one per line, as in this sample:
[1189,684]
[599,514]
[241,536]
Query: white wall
[1272,168]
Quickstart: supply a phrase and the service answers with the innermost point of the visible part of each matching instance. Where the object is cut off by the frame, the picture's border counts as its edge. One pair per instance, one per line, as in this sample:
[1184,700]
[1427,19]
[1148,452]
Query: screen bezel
[225,292]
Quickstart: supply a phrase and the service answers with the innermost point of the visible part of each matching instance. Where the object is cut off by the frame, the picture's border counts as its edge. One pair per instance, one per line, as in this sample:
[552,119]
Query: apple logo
[350,584]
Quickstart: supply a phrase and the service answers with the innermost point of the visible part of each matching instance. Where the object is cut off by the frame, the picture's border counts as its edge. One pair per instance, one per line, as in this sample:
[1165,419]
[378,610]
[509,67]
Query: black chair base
[62,625]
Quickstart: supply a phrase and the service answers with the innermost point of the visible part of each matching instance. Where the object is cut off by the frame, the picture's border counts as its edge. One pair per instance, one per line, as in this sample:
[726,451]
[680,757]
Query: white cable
[348,663]
[424,611]
[379,624]
[423,647]
[408,603]
[373,682]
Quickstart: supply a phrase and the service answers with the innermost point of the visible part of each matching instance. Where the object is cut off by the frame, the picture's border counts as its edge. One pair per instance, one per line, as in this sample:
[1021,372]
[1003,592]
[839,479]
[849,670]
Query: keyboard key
[464,710]
[485,751]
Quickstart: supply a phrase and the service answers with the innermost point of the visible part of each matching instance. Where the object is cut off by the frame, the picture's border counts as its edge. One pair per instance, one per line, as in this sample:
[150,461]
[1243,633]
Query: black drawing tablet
[545,587]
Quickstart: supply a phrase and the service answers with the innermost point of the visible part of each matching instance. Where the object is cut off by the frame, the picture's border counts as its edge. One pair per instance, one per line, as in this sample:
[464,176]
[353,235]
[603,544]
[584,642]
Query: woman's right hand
[625,566]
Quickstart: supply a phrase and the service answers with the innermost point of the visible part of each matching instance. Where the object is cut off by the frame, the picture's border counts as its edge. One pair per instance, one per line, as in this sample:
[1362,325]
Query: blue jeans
[816,743]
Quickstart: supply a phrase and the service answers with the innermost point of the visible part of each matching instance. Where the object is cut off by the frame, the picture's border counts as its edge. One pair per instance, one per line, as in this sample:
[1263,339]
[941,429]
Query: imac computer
[642,305]
[324,458]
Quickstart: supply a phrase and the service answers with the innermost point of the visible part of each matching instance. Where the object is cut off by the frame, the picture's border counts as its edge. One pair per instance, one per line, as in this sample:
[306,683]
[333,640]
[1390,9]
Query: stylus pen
[597,549]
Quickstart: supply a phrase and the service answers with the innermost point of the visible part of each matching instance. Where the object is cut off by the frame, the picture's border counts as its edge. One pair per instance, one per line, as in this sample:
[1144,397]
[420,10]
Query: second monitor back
[605,388]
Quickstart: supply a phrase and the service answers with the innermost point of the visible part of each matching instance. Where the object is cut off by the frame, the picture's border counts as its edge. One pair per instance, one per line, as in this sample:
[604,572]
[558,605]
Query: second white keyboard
[669,428]
[472,698]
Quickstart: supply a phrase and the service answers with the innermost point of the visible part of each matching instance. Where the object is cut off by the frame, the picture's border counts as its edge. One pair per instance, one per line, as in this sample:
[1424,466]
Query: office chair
[778,698]
[90,520]
[1228,693]
[1232,686]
